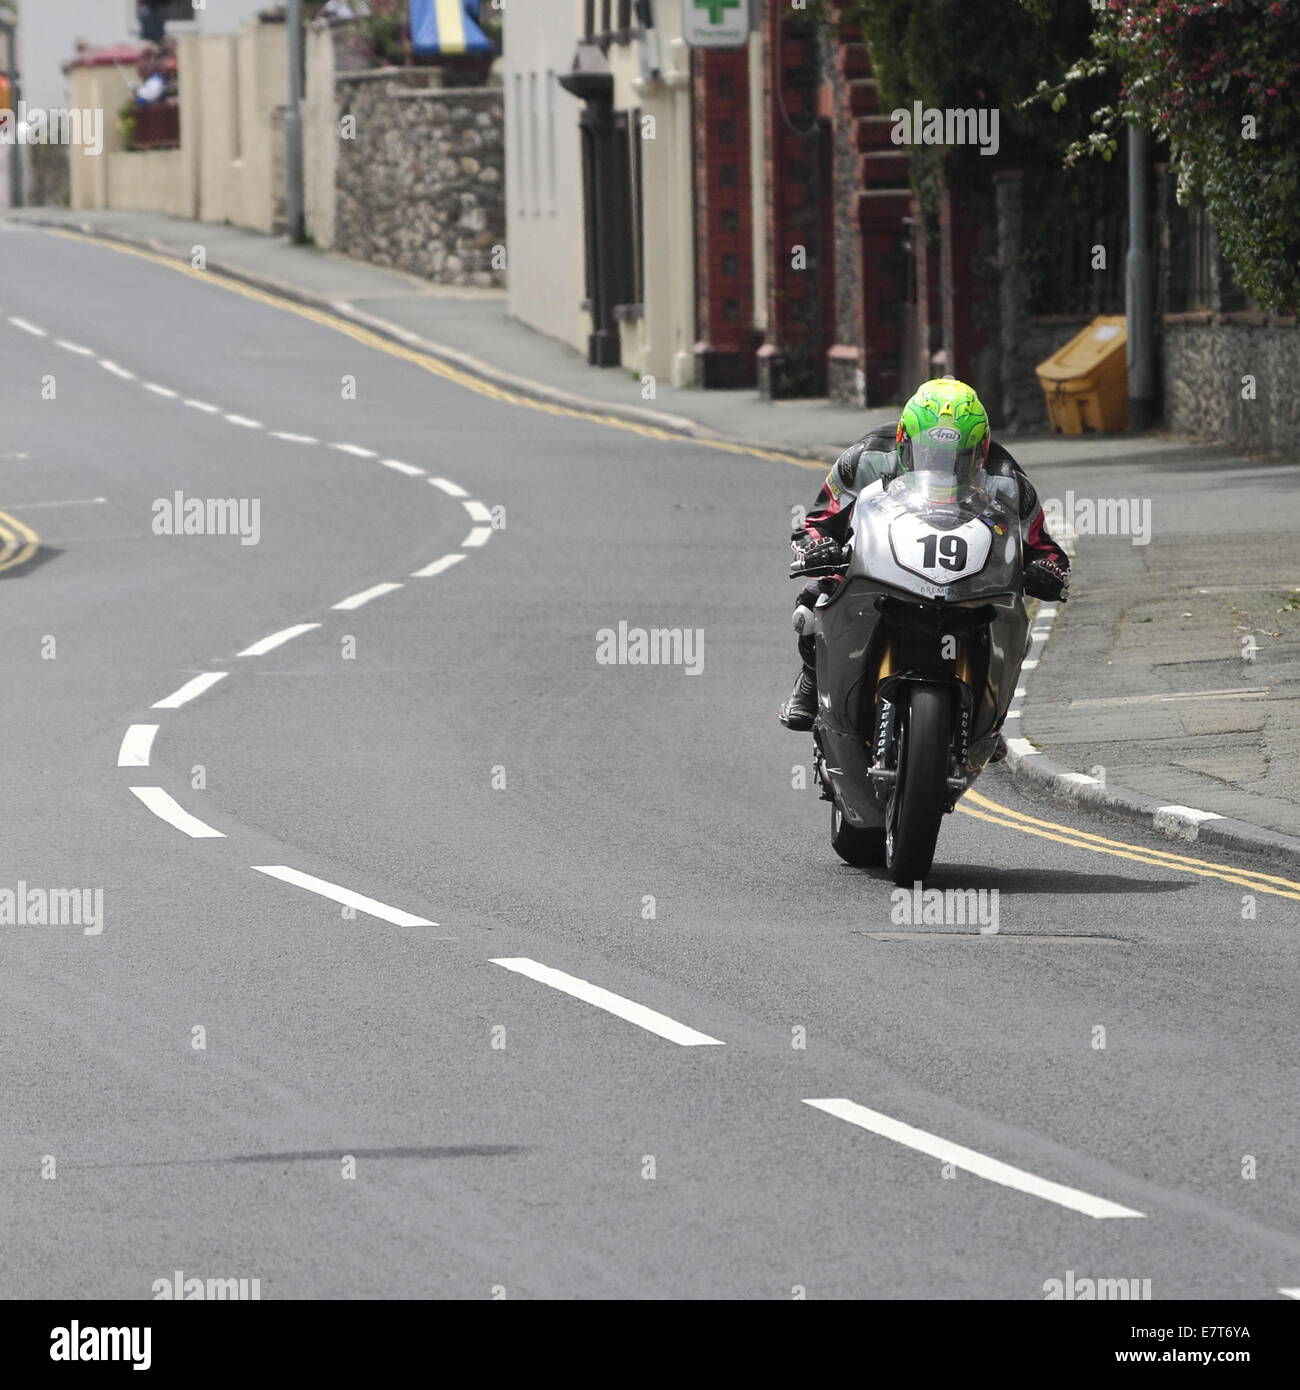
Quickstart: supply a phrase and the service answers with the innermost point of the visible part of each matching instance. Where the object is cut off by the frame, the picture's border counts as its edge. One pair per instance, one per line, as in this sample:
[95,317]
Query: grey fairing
[849,633]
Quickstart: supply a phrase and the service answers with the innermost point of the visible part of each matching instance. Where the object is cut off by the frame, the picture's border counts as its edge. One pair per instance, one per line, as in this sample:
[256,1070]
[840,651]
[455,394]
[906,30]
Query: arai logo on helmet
[944,434]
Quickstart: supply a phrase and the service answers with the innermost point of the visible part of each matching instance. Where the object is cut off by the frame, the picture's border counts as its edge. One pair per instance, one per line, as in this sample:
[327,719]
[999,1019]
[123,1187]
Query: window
[177,12]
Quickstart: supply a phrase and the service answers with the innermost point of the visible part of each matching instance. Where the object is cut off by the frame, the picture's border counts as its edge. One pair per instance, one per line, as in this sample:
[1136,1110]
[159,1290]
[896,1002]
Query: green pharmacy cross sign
[717,23]
[716,8]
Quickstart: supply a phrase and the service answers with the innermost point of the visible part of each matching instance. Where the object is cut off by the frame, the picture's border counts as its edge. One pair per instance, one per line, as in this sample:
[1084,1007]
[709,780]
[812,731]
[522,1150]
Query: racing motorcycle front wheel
[919,797]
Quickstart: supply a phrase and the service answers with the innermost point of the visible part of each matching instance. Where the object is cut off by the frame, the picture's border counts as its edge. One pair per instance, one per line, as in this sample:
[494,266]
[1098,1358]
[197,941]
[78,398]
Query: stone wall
[420,184]
[1034,340]
[1205,360]
[48,176]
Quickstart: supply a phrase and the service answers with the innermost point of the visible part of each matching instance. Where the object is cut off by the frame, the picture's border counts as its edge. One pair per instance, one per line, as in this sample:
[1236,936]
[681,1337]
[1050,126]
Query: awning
[447,27]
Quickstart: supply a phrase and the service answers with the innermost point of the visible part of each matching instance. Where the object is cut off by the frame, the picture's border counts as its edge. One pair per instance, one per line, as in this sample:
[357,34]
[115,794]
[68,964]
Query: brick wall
[724,274]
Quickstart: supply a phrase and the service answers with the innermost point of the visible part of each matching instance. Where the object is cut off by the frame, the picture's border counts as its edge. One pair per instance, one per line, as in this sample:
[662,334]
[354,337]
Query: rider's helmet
[943,440]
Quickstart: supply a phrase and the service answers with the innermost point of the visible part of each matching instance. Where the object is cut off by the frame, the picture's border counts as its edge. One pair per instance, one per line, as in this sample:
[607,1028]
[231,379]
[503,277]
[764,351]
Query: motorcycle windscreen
[941,474]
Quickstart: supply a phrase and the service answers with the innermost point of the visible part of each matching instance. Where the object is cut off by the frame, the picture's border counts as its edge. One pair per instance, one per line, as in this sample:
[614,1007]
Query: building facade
[544,200]
[735,217]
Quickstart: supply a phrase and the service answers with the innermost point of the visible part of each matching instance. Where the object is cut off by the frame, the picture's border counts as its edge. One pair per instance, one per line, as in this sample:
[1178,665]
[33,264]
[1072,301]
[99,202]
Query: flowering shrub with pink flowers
[1220,83]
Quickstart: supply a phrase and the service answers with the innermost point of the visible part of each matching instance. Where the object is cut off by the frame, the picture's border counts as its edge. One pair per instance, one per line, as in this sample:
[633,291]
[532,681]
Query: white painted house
[544,206]
[600,171]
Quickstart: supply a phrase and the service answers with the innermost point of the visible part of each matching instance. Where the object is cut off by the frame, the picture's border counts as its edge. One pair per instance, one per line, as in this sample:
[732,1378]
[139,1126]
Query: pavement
[439,959]
[1187,718]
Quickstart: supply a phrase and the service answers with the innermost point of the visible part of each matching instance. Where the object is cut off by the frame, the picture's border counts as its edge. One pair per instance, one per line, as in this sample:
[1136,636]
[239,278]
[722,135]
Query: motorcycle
[918,656]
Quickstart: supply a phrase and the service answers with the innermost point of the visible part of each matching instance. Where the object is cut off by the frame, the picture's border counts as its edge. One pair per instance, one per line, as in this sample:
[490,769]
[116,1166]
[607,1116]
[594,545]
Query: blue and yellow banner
[447,27]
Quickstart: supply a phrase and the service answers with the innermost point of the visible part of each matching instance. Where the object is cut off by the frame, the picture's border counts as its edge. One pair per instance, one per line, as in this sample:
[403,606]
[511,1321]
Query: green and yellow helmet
[943,439]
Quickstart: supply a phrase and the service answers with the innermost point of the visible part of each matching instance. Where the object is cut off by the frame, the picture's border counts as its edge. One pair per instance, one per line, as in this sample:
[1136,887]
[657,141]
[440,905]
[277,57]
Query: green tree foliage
[1219,82]
[955,53]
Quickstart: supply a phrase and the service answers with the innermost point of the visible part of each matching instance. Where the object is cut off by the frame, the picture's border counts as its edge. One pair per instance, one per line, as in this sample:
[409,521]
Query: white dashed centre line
[438,567]
[451,489]
[29,328]
[294,438]
[365,596]
[74,347]
[399,467]
[277,639]
[191,690]
[116,370]
[204,407]
[167,808]
[137,743]
[346,896]
[992,1169]
[244,422]
[355,450]
[477,511]
[161,390]
[480,535]
[649,1019]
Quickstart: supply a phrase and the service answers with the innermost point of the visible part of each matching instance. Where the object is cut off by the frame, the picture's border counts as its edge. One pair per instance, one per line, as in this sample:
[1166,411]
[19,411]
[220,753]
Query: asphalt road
[452,751]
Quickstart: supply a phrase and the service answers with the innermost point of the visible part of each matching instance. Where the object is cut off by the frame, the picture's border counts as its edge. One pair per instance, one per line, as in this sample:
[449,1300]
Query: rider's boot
[800,709]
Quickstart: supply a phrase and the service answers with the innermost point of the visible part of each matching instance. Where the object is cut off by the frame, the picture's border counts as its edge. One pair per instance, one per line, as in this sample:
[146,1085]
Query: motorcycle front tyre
[920,798]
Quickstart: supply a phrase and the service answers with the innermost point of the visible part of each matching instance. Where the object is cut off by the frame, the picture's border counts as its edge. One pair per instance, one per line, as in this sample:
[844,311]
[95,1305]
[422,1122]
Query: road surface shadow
[45,554]
[328,1155]
[443,1151]
[1013,882]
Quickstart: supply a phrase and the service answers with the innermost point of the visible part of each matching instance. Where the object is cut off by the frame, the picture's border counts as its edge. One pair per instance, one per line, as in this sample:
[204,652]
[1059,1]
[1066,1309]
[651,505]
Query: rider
[953,411]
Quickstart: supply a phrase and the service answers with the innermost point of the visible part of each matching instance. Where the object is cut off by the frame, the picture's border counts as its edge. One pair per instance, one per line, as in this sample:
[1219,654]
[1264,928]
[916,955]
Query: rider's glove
[1047,579]
[821,556]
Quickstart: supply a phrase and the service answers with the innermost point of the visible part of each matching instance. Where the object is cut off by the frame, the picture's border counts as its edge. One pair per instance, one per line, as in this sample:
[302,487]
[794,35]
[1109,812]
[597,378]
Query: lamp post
[1137,286]
[293,126]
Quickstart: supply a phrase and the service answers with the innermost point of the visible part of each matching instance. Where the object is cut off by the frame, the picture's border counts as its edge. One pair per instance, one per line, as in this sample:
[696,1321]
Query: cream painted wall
[544,201]
[230,87]
[149,181]
[320,138]
[49,29]
[667,196]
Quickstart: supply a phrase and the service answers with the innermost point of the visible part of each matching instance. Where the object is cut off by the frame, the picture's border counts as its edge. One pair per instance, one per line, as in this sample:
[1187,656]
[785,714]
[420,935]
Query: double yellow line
[18,543]
[480,385]
[973,804]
